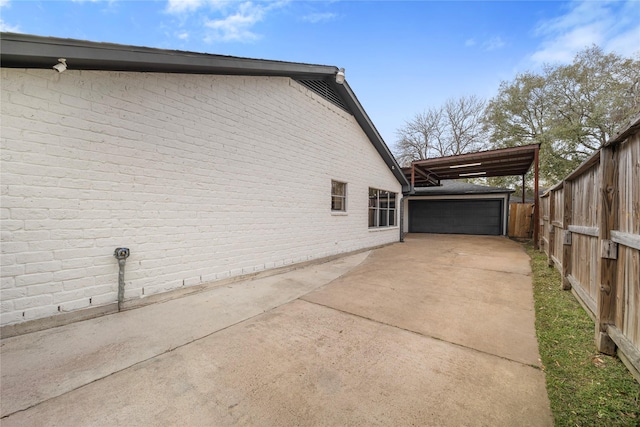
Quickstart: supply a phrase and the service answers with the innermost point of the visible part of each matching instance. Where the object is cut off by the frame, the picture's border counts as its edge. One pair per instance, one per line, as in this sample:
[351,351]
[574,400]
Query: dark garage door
[456,216]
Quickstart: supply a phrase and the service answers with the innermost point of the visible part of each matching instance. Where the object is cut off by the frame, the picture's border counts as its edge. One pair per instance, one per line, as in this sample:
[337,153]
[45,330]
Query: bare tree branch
[455,128]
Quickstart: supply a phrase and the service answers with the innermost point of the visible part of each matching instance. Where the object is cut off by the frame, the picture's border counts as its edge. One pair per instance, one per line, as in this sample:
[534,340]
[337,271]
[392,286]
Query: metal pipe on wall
[121,254]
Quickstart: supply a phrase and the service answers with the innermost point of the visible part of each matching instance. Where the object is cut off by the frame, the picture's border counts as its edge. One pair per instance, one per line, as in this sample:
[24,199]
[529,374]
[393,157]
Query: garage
[456,207]
[440,201]
[470,216]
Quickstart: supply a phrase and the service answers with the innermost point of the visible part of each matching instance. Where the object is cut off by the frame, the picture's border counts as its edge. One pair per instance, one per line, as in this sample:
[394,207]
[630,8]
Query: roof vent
[325,90]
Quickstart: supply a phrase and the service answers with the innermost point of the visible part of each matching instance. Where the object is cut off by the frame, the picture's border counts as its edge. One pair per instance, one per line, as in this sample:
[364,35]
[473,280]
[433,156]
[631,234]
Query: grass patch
[585,388]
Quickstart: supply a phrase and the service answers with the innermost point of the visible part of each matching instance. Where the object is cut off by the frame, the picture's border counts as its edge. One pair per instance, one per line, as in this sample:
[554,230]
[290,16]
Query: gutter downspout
[402,220]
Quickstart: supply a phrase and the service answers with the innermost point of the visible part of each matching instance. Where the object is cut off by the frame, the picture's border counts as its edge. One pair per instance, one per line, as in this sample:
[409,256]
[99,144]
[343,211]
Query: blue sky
[401,57]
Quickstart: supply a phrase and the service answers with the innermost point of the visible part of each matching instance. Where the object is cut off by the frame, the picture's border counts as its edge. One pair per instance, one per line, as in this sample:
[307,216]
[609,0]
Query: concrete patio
[438,330]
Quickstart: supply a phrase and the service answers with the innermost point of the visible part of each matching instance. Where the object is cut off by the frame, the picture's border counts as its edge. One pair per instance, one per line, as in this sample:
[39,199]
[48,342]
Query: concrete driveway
[438,330]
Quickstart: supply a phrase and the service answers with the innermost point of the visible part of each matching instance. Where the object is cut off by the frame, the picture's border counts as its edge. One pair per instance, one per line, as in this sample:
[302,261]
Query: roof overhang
[29,51]
[372,133]
[501,162]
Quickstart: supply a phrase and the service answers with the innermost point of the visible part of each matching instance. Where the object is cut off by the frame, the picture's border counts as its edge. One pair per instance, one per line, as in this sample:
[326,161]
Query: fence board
[628,307]
[521,220]
[585,197]
[629,350]
[558,213]
[587,231]
[588,301]
[544,223]
[627,236]
[626,239]
[598,205]
[584,263]
[567,203]
[629,186]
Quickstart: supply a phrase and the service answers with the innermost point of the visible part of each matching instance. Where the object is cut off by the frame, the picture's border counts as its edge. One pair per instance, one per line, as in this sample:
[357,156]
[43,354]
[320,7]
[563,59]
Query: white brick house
[206,167]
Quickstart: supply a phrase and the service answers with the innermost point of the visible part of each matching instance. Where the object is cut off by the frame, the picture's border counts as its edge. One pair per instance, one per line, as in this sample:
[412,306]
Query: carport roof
[501,162]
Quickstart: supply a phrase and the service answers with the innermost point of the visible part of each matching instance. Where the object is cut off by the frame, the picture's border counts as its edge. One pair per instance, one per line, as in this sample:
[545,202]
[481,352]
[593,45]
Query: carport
[461,213]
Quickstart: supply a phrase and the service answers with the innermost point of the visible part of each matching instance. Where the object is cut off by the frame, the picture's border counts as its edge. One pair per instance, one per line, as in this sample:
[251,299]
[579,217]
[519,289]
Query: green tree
[592,97]
[571,110]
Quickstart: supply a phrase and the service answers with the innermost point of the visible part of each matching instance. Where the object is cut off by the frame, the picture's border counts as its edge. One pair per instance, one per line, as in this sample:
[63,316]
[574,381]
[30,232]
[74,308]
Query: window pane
[383,218]
[384,199]
[392,200]
[373,197]
[338,188]
[392,217]
[337,203]
[372,217]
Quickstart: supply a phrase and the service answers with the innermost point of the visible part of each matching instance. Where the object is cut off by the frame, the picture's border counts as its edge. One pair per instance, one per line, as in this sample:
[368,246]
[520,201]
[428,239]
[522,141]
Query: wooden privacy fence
[590,231]
[521,220]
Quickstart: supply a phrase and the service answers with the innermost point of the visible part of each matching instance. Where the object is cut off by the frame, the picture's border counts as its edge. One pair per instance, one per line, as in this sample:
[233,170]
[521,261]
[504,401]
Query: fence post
[567,215]
[552,229]
[608,220]
[536,197]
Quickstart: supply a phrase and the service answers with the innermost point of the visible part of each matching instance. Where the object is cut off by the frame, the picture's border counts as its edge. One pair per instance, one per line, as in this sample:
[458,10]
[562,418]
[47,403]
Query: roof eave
[28,51]
[344,90]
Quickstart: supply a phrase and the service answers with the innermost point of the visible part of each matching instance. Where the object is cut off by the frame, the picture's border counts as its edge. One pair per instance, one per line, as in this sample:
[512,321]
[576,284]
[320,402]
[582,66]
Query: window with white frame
[382,208]
[338,196]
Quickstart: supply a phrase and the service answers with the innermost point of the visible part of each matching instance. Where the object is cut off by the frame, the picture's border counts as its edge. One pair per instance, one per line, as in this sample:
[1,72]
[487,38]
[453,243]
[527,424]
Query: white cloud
[236,27]
[5,27]
[8,28]
[180,6]
[627,44]
[493,43]
[222,20]
[612,25]
[564,46]
[315,18]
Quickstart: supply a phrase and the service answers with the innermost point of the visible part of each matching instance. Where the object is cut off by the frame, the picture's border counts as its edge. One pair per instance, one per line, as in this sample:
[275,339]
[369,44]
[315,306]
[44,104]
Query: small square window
[338,196]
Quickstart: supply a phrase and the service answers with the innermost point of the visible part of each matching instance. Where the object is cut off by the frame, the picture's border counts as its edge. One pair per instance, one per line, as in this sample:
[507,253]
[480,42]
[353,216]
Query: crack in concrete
[423,335]
[171,349]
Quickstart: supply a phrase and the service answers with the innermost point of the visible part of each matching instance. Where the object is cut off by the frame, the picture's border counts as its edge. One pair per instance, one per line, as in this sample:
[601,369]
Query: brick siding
[202,177]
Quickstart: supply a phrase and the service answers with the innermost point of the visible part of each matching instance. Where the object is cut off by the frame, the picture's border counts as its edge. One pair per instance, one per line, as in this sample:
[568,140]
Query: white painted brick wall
[202,177]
